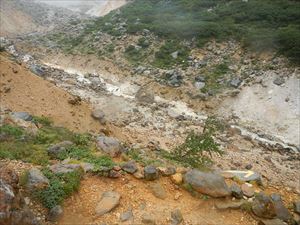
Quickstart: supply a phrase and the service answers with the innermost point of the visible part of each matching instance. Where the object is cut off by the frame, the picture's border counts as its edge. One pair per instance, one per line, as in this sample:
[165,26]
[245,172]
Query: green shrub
[13,131]
[60,187]
[197,149]
[45,121]
[82,139]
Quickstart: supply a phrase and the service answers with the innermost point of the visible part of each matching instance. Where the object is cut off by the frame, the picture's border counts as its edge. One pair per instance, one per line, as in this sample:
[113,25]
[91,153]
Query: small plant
[45,121]
[101,162]
[197,150]
[10,130]
[82,139]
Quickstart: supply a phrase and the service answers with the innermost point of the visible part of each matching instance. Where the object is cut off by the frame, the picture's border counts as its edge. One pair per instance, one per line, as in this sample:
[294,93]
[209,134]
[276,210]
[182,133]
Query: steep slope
[23,91]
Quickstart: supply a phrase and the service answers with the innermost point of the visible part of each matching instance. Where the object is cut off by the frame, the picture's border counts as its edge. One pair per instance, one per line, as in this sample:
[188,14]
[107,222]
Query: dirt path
[135,194]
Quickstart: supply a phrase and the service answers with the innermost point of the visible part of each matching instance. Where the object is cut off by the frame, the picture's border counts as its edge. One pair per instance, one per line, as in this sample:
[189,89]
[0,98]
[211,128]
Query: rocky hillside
[161,112]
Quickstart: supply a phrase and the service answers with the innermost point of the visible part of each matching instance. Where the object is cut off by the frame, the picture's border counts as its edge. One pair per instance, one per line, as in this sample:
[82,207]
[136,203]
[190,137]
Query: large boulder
[109,145]
[211,184]
[61,168]
[109,200]
[36,179]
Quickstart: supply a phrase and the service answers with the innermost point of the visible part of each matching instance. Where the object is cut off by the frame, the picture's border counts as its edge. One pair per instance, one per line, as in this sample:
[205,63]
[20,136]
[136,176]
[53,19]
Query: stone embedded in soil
[55,150]
[271,222]
[64,168]
[297,207]
[130,167]
[99,115]
[281,211]
[125,216]
[55,213]
[109,201]
[247,189]
[114,174]
[236,191]
[263,206]
[109,145]
[148,219]
[212,184]
[158,190]
[279,81]
[177,178]
[36,179]
[167,171]
[22,115]
[150,173]
[229,204]
[176,217]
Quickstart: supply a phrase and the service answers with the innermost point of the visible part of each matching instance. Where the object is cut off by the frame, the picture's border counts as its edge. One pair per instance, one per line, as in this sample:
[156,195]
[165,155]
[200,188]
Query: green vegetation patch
[61,186]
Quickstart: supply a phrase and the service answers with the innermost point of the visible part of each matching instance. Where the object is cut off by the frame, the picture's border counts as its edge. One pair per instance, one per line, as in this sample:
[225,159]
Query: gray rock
[24,216]
[158,190]
[87,167]
[109,201]
[263,206]
[235,82]
[271,222]
[109,145]
[281,211]
[144,96]
[130,167]
[199,84]
[22,115]
[64,168]
[37,70]
[99,115]
[167,171]
[200,78]
[174,55]
[150,173]
[7,196]
[55,213]
[279,81]
[55,150]
[297,207]
[211,184]
[36,179]
[176,217]
[148,219]
[236,191]
[125,216]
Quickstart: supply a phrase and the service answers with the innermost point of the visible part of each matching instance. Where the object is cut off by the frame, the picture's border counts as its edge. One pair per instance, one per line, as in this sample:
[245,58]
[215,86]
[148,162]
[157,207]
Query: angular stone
[126,216]
[279,81]
[109,145]
[55,213]
[109,201]
[167,171]
[148,219]
[236,191]
[211,184]
[158,190]
[130,167]
[248,191]
[22,115]
[36,179]
[176,217]
[263,206]
[150,173]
